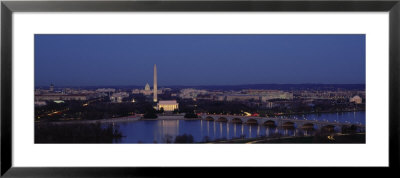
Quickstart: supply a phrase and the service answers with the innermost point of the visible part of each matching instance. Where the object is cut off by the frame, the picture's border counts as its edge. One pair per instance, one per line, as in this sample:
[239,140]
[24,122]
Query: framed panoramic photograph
[237,88]
[103,88]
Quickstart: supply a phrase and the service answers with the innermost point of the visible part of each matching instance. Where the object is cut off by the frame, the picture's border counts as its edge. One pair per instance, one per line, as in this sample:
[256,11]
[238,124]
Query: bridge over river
[285,123]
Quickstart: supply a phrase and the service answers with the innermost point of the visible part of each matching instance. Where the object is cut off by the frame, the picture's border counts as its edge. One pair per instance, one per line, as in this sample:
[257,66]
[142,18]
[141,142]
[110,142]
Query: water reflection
[227,130]
[165,131]
[249,131]
[234,129]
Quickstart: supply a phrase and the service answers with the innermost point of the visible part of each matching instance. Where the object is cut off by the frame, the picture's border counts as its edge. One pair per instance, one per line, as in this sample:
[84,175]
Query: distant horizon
[201,85]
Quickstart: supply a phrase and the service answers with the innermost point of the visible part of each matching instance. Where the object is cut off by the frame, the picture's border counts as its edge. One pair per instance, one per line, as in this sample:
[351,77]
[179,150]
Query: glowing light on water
[172,128]
[208,127]
[227,130]
[215,130]
[201,128]
[234,129]
[177,126]
[249,131]
[220,129]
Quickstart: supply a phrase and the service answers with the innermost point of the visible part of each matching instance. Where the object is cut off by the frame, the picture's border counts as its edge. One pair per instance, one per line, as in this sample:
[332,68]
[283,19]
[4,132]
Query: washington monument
[155,84]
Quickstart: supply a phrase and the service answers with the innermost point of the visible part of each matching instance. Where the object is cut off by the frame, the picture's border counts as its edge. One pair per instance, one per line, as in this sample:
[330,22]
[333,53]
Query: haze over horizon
[198,60]
[200,86]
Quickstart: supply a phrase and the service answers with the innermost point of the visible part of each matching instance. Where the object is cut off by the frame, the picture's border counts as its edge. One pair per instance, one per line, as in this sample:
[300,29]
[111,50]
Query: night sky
[96,60]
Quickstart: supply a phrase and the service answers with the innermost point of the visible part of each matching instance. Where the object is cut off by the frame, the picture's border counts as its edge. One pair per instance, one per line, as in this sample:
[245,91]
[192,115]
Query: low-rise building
[40,103]
[107,91]
[118,97]
[61,96]
[242,97]
[167,105]
[190,93]
[356,99]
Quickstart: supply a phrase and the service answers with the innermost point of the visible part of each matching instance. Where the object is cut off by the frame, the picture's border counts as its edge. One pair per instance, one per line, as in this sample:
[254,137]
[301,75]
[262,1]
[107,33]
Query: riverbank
[168,117]
[337,138]
[122,119]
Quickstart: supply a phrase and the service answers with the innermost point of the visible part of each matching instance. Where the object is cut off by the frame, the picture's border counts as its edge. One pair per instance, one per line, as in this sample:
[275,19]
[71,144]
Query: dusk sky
[96,60]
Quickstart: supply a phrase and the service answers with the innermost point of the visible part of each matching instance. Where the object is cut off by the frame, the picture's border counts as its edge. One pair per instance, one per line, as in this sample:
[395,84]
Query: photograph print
[200,88]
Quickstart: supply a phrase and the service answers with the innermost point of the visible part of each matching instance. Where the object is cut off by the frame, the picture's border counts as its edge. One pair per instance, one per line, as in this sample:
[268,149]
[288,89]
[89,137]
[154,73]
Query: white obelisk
[155,84]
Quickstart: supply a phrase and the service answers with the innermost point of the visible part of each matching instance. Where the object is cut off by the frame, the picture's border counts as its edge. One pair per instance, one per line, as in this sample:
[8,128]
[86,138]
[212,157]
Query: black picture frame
[8,7]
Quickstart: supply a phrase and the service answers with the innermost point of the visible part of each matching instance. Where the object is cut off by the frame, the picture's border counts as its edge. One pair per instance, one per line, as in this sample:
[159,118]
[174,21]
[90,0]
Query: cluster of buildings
[244,95]
[260,95]
[66,94]
[43,95]
[146,91]
[166,105]
[268,98]
[310,94]
[190,93]
[268,95]
[118,97]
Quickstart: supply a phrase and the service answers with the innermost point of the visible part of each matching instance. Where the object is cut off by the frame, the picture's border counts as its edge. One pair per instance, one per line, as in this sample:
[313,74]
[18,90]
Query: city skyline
[198,60]
[191,86]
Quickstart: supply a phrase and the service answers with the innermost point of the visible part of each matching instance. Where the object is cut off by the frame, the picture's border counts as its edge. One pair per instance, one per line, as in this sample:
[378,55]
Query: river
[164,131]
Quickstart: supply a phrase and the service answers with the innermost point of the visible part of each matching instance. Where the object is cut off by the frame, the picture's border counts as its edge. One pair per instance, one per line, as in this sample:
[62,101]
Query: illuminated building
[167,105]
[107,91]
[356,99]
[40,103]
[59,96]
[242,97]
[118,97]
[190,93]
[146,91]
[147,87]
[269,94]
[51,88]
